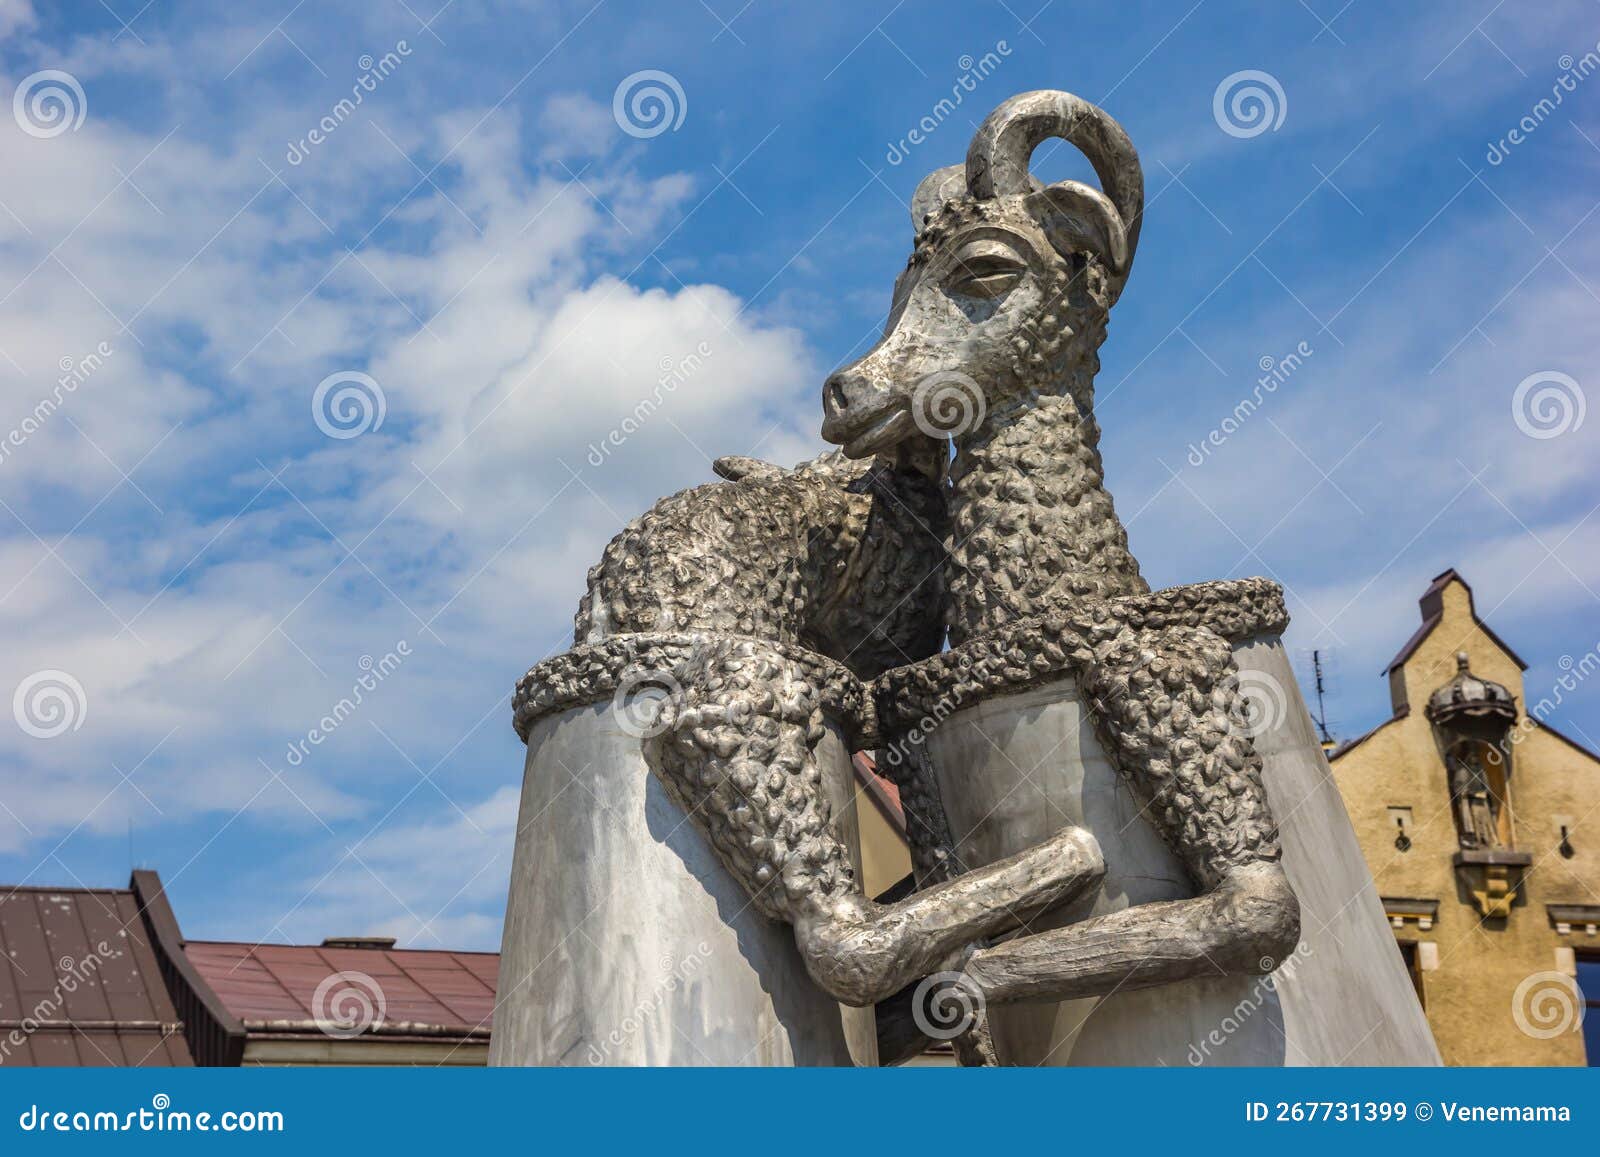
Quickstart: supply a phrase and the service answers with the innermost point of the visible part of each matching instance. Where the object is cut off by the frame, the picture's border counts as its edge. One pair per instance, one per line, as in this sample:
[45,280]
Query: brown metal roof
[272,987]
[79,984]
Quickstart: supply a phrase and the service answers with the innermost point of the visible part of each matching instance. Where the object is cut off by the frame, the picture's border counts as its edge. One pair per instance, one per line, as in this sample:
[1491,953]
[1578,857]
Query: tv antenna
[1322,710]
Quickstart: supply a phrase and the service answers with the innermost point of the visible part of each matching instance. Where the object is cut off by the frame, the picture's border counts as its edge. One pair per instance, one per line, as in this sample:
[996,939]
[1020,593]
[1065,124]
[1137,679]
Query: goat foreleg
[1246,925]
[933,861]
[1168,706]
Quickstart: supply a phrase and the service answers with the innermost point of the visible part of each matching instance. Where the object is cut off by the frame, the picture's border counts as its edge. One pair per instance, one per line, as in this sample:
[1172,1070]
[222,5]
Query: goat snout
[843,393]
[853,406]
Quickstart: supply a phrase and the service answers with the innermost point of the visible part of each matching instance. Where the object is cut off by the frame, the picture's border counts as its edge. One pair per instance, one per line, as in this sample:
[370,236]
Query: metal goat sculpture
[779,593]
[996,324]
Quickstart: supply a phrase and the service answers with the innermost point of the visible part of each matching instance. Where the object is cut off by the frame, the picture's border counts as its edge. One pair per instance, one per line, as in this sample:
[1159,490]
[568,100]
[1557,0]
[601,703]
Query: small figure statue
[1477,806]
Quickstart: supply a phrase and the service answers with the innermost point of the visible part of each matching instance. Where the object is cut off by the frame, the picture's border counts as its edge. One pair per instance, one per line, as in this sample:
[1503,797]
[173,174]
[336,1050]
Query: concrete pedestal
[628,943]
[1015,767]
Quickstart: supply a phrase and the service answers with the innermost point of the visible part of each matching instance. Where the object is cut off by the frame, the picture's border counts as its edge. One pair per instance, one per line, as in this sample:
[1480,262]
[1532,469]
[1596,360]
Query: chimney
[359,942]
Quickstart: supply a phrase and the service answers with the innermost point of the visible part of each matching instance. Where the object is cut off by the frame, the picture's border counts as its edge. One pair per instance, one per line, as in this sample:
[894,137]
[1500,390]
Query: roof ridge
[253,945]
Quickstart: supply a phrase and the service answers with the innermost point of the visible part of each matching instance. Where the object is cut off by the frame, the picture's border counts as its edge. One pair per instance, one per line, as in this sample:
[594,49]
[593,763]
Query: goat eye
[984,276]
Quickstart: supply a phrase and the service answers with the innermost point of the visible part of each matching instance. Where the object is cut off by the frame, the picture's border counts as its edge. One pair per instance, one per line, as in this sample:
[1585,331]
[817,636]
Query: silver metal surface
[1015,767]
[628,943]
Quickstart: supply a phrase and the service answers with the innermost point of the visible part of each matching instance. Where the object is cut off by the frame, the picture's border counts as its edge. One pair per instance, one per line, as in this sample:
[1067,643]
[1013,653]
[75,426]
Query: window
[1589,986]
[1409,954]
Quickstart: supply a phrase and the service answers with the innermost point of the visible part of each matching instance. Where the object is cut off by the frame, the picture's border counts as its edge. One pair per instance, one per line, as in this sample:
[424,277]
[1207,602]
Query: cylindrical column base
[626,940]
[1016,757]
[1018,767]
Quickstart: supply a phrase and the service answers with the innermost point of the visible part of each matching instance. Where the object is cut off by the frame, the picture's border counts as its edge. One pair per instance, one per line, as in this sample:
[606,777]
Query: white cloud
[216,622]
[513,319]
[16,15]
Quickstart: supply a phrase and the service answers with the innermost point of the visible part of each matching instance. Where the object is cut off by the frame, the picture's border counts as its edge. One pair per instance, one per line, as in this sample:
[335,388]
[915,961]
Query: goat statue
[765,604]
[749,586]
[993,336]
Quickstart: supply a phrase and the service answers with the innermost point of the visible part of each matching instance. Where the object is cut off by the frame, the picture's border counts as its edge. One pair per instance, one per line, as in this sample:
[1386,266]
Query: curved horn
[997,161]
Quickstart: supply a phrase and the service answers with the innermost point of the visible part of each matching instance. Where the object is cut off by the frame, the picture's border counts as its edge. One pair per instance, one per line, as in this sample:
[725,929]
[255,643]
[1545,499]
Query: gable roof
[80,984]
[1350,745]
[1580,748]
[1432,604]
[232,992]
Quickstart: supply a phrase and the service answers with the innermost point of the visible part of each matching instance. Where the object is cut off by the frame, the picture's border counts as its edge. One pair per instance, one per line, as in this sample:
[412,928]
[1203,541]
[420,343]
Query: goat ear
[943,185]
[735,468]
[1077,218]
[936,188]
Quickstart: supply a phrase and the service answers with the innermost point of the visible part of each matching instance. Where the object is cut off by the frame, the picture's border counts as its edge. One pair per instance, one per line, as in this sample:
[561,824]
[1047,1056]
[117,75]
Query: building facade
[1478,820]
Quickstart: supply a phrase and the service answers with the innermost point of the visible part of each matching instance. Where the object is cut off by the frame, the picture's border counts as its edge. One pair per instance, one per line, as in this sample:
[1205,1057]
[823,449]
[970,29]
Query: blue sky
[511,271]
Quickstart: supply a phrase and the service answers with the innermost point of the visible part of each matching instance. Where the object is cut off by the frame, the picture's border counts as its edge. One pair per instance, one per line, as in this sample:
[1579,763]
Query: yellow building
[885,857]
[1479,822]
